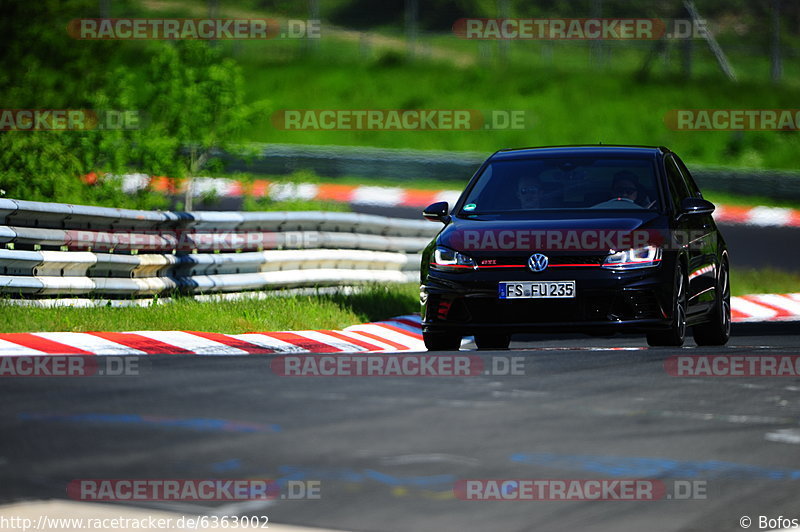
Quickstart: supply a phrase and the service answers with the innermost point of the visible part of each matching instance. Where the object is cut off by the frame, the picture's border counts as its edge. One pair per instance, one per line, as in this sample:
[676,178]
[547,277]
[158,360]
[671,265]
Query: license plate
[536,289]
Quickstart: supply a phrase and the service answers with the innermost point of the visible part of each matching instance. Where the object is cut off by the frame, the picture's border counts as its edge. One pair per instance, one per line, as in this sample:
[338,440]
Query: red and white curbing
[262,188]
[401,197]
[766,307]
[402,333]
[398,334]
[758,216]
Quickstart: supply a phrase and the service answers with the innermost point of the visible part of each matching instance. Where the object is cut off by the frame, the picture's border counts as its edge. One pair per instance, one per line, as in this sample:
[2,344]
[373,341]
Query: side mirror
[696,206]
[437,212]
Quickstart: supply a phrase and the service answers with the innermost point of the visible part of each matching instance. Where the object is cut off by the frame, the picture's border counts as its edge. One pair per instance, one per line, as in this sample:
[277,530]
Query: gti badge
[538,262]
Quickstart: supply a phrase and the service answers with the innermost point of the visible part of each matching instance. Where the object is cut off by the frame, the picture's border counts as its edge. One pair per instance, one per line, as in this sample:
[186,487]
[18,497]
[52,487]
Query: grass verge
[285,313]
[767,281]
[724,198]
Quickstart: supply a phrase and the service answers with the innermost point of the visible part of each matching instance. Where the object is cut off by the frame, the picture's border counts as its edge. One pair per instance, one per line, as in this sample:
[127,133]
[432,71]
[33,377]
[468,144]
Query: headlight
[449,260]
[630,259]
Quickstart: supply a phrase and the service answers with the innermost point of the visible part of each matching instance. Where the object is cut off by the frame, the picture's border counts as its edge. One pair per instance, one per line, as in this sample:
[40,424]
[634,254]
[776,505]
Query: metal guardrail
[53,249]
[336,161]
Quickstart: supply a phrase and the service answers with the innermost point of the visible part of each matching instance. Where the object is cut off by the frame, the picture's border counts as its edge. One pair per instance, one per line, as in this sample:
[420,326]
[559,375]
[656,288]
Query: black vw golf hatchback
[595,239]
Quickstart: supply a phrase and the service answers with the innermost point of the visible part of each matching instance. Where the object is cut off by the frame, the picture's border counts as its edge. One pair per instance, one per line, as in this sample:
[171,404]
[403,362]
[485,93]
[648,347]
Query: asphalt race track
[389,450]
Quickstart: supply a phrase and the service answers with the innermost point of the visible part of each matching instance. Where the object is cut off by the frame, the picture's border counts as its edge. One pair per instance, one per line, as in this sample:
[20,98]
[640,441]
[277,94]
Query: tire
[492,341]
[717,330]
[441,341]
[676,334]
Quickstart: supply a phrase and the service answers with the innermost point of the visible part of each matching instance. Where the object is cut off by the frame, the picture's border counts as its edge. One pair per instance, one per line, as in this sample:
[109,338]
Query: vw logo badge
[538,262]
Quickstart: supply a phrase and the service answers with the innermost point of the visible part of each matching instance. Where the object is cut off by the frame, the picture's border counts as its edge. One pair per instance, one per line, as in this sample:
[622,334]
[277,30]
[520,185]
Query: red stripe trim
[395,345]
[260,188]
[42,344]
[236,189]
[142,343]
[360,343]
[451,265]
[782,312]
[233,342]
[399,329]
[161,184]
[481,267]
[737,314]
[408,322]
[418,198]
[301,341]
[733,214]
[331,192]
[549,266]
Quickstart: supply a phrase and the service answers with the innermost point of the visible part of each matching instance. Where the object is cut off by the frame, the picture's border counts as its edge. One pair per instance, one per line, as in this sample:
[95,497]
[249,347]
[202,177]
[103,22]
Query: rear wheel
[676,334]
[717,330]
[436,341]
[492,341]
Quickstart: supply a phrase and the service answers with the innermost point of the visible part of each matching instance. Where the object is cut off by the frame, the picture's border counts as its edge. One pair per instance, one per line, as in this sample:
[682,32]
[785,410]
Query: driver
[625,186]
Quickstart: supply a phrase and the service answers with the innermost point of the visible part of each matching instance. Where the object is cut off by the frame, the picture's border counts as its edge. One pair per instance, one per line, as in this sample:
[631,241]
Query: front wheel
[676,334]
[717,331]
[435,341]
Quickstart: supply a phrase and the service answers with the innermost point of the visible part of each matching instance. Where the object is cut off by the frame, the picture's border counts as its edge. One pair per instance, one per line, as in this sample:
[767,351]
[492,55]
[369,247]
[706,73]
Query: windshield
[574,183]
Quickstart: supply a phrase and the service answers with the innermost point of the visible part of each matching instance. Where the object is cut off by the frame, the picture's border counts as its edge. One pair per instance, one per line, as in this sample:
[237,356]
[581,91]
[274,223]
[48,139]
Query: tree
[43,68]
[191,102]
[188,97]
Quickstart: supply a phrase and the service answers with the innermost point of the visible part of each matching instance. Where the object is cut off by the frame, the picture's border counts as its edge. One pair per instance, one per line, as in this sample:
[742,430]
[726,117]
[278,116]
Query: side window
[476,195]
[694,190]
[677,185]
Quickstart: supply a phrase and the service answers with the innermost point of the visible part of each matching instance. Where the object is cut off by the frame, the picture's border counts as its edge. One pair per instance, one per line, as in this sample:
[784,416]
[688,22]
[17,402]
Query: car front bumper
[606,301]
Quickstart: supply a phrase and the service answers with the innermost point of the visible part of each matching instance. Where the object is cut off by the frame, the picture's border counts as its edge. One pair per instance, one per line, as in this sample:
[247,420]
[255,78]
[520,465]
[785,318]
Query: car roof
[583,149]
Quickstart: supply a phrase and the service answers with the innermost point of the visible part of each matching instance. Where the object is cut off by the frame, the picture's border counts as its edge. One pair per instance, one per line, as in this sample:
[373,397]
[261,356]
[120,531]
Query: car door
[688,233]
[704,278]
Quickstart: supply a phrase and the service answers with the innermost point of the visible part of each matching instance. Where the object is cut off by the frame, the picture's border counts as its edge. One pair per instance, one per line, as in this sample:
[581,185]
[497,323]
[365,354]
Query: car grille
[554,260]
[595,260]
